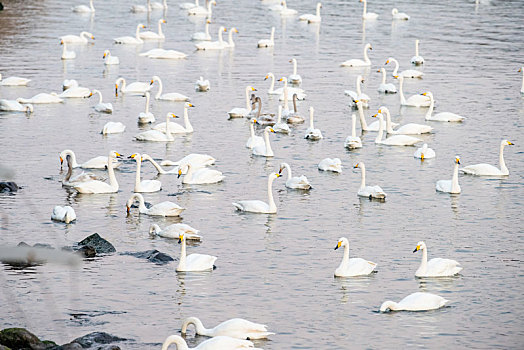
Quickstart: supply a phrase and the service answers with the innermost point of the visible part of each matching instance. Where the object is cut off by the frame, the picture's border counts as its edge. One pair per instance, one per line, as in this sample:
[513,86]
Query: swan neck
[294,103]
[111,172]
[416,48]
[286,96]
[99,96]
[522,88]
[295,67]
[199,326]
[160,88]
[189,174]
[279,116]
[91,5]
[168,129]
[363,169]
[137,34]
[147,103]
[455,179]
[174,339]
[187,124]
[230,38]
[157,166]
[207,29]
[220,40]
[251,130]
[137,176]
[401,91]
[503,167]
[365,7]
[389,127]
[424,261]
[395,71]
[431,106]
[359,91]
[272,86]
[69,171]
[345,257]
[272,205]
[366,58]
[272,37]
[353,125]
[383,75]
[182,261]
[311,119]
[363,122]
[73,158]
[247,98]
[380,129]
[269,151]
[160,33]
[259,110]
[318,9]
[288,168]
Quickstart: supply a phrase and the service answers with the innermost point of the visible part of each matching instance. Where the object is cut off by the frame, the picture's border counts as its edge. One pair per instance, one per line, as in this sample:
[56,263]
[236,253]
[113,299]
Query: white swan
[135,88]
[399,15]
[129,39]
[488,169]
[406,129]
[253,139]
[297,182]
[521,69]
[202,11]
[353,141]
[13,81]
[236,328]
[312,18]
[83,38]
[162,54]
[76,92]
[109,59]
[157,135]
[330,164]
[84,8]
[202,85]
[424,152]
[67,55]
[189,5]
[264,149]
[355,62]
[284,11]
[101,106]
[436,267]
[290,91]
[96,186]
[408,73]
[418,301]
[213,45]
[142,8]
[418,100]
[146,116]
[368,191]
[69,83]
[293,117]
[149,35]
[172,96]
[99,162]
[354,266]
[202,36]
[442,116]
[193,262]
[41,98]
[280,91]
[242,112]
[386,88]
[450,186]
[196,160]
[175,128]
[358,95]
[268,42]
[417,59]
[142,186]
[159,5]
[368,15]
[395,140]
[63,214]
[174,231]
[161,209]
[15,106]
[256,206]
[312,133]
[113,128]
[294,78]
[230,43]
[216,343]
[199,176]
[280,127]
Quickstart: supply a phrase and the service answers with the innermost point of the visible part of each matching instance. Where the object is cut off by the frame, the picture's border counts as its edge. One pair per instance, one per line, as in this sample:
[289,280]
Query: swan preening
[297,182]
[418,301]
[450,186]
[312,18]
[442,116]
[368,191]
[484,169]
[113,128]
[354,266]
[256,206]
[417,59]
[13,81]
[161,209]
[424,152]
[95,186]
[330,164]
[63,214]
[268,42]
[436,267]
[202,85]
[193,262]
[174,231]
[236,328]
[355,62]
[216,343]
[15,106]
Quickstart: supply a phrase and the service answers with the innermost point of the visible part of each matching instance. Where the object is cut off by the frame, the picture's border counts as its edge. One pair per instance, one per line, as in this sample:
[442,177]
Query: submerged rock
[153,256]
[100,245]
[94,338]
[8,186]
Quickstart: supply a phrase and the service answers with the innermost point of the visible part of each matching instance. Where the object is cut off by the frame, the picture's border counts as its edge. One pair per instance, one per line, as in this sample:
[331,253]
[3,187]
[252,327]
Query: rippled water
[274,269]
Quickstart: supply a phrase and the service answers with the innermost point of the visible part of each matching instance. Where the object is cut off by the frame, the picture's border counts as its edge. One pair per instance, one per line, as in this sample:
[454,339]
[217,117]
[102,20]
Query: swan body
[355,62]
[442,116]
[69,83]
[193,262]
[450,186]
[419,301]
[109,59]
[284,11]
[67,55]
[358,95]
[294,182]
[399,15]
[407,129]
[161,209]
[280,127]
[293,117]
[368,191]
[417,59]
[213,45]
[386,88]
[330,164]
[157,135]
[14,81]
[488,169]
[294,78]
[101,106]
[15,106]
[312,18]
[142,8]
[174,231]
[368,15]
[142,186]
[129,40]
[216,343]
[159,5]
[202,36]
[71,181]
[352,267]
[268,42]
[113,128]
[84,8]
[436,267]
[94,163]
[146,116]
[280,91]
[202,11]
[236,328]
[264,149]
[41,98]
[199,176]
[75,92]
[230,43]
[194,159]
[256,206]
[418,100]
[312,133]
[83,38]
[162,54]
[242,112]
[135,88]
[173,96]
[152,35]
[96,186]
[175,128]
[254,140]
[424,152]
[189,5]
[395,140]
[353,141]
[63,214]
[202,85]
[408,73]
[375,126]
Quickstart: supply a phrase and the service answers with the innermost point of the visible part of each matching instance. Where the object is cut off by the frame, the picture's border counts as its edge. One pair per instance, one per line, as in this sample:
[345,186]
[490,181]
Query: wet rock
[8,186]
[95,338]
[43,245]
[23,244]
[20,338]
[69,346]
[86,252]
[153,256]
[100,245]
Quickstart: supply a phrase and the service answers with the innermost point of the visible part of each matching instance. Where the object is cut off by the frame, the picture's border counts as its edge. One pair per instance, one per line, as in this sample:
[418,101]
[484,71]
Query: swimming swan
[202,11]
[358,95]
[354,266]
[424,152]
[280,127]
[330,164]
[417,59]
[408,73]
[71,181]
[419,100]
[142,186]
[236,328]
[199,176]
[202,85]
[15,106]
[63,214]
[294,78]
[101,106]
[368,15]
[418,301]
[265,148]
[96,186]
[152,35]
[172,96]
[355,62]
[67,55]
[395,140]
[94,163]
[230,43]
[146,116]
[84,8]
[109,59]
[253,139]
[41,98]
[312,18]
[129,39]
[399,15]
[293,117]
[161,209]
[450,186]
[368,191]
[213,45]
[196,160]
[436,267]
[13,81]
[163,54]
[216,343]
[174,231]
[83,38]
[175,128]
[312,133]
[113,128]
[202,36]
[193,262]
[268,42]
[142,8]
[442,116]
[297,182]
[75,92]
[386,88]
[135,88]
[353,141]
[488,169]
[256,206]
[406,129]
[242,112]
[157,135]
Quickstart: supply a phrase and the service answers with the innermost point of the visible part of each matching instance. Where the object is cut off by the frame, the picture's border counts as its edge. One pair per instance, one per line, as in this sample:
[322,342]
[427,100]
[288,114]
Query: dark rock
[153,256]
[98,243]
[43,245]
[68,346]
[20,338]
[96,338]
[8,186]
[4,347]
[23,244]
[86,251]
[1,8]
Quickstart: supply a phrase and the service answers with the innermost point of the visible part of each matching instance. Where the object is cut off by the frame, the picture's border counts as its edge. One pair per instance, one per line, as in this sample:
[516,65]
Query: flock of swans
[194,168]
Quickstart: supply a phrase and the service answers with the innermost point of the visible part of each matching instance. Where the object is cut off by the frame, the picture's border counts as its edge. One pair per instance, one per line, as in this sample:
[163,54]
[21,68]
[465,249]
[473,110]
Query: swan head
[383,110]
[162,21]
[269,129]
[394,11]
[234,30]
[360,79]
[141,26]
[187,105]
[273,176]
[506,143]
[387,305]
[342,242]
[154,229]
[29,109]
[429,94]
[457,159]
[136,156]
[368,46]
[378,115]
[106,53]
[357,165]
[284,79]
[61,42]
[420,246]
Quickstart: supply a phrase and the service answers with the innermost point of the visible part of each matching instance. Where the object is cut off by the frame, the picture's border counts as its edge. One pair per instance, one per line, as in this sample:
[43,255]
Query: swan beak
[127,208]
[378,71]
[61,162]
[118,155]
[424,94]
[90,94]
[370,48]
[387,62]
[271,129]
[164,21]
[356,101]
[416,249]
[236,30]
[278,175]
[395,76]
[510,143]
[266,78]
[225,29]
[374,115]
[253,89]
[254,121]
[104,55]
[151,83]
[132,156]
[174,116]
[356,166]
[338,245]
[280,171]
[179,174]
[190,105]
[520,70]
[93,37]
[379,111]
[422,156]
[180,239]
[458,161]
[116,90]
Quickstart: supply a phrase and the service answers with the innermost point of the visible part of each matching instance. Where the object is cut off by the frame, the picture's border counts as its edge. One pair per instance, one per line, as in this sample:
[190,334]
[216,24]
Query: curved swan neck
[160,87]
[199,326]
[272,205]
[401,90]
[416,47]
[99,95]
[380,128]
[503,167]
[288,168]
[187,124]
[272,37]
[155,164]
[189,173]
[175,339]
[319,5]
[455,180]
[137,34]
[389,128]
[111,172]
[266,141]
[363,123]
[366,58]
[353,125]
[259,105]
[395,71]
[388,305]
[73,157]
[69,168]
[431,106]
[383,75]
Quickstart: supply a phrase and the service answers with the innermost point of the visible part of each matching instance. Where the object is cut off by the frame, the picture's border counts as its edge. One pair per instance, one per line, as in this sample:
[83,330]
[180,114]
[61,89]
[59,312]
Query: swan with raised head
[146,116]
[15,106]
[135,88]
[76,92]
[395,140]
[368,191]
[149,35]
[83,38]
[442,116]
[408,73]
[354,266]
[202,36]
[312,133]
[70,180]
[294,78]
[159,5]
[109,59]
[142,8]
[199,176]
[99,162]
[67,55]
[312,18]
[358,95]
[202,11]
[41,98]
[113,128]
[264,149]
[450,186]
[399,15]
[330,164]
[95,186]
[253,139]
[285,11]
[202,85]
[174,231]
[216,343]
[353,141]
[279,126]
[142,186]
[236,328]
[291,91]
[436,267]
[406,129]
[63,214]
[419,301]
[101,106]
[418,100]
[484,169]
[189,5]
[172,96]
[355,62]
[386,88]
[280,91]
[294,182]
[213,45]
[162,54]
[129,39]
[368,15]
[161,209]
[293,117]
[268,42]
[84,8]
[242,112]
[256,206]
[424,152]
[230,43]
[193,262]
[417,59]
[157,135]
[13,81]
[175,128]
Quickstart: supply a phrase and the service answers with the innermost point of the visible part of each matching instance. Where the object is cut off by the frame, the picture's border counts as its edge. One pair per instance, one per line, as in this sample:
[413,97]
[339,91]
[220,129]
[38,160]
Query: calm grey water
[273,269]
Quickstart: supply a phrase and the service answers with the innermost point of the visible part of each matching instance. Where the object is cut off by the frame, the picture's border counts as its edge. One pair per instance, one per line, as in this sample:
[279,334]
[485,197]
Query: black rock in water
[20,338]
[94,338]
[153,256]
[100,245]
[8,186]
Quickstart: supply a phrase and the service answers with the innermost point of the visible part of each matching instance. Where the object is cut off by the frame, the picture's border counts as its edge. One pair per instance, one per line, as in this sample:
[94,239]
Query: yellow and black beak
[180,238]
[387,62]
[104,55]
[422,157]
[267,77]
[127,208]
[356,166]
[416,249]
[61,162]
[190,105]
[272,130]
[424,94]
[374,115]
[510,143]
[278,175]
[132,156]
[338,245]
[457,160]
[151,83]
[395,76]
[253,89]
[179,173]
[116,90]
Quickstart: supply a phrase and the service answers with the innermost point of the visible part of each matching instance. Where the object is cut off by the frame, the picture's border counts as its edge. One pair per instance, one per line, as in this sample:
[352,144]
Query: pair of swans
[202,36]
[358,95]
[436,267]
[96,186]
[330,164]
[129,40]
[294,182]
[312,133]
[193,262]
[84,8]
[264,149]
[354,266]
[109,59]
[135,88]
[408,73]
[213,45]
[450,186]
[418,100]
[417,59]
[419,301]
[160,209]
[395,140]
[257,206]
[368,191]
[172,96]
[268,42]
[66,54]
[157,135]
[42,98]
[216,343]
[142,186]
[484,169]
[312,18]
[401,16]
[199,176]
[242,112]
[386,88]
[202,85]
[368,15]
[63,214]
[442,116]
[424,152]
[174,231]
[83,38]
[236,328]
[149,35]
[406,129]
[13,81]
[101,106]
[15,106]
[99,162]
[202,11]
[294,78]
[353,141]
[355,62]
[175,128]
[279,126]
[70,180]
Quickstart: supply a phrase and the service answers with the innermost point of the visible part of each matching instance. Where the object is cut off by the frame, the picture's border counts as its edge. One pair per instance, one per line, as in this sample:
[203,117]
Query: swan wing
[254,206]
[421,301]
[151,135]
[447,117]
[418,101]
[165,209]
[298,182]
[482,170]
[442,267]
[359,267]
[355,62]
[414,129]
[174,96]
[200,262]
[207,176]
[95,187]
[443,186]
[353,142]
[241,329]
[225,342]
[401,140]
[150,186]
